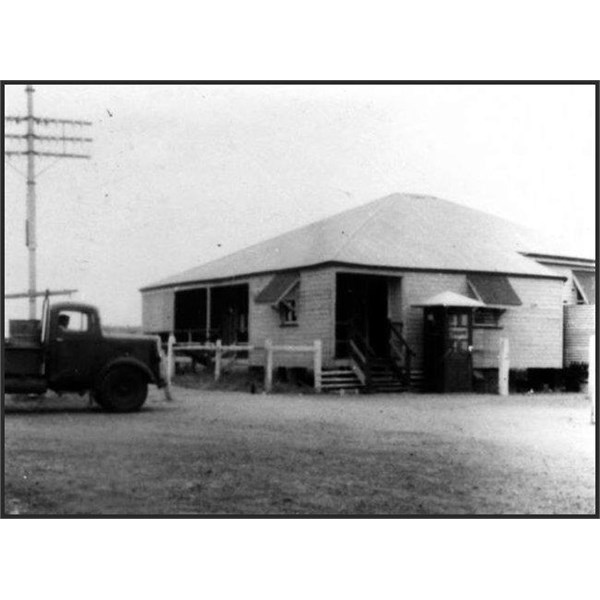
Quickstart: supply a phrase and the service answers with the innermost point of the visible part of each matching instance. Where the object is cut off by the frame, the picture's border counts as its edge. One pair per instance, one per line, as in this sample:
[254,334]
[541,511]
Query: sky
[183,174]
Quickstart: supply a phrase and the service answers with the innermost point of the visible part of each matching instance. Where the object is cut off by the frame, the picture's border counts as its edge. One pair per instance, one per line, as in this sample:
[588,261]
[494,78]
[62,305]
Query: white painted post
[208,310]
[592,376]
[317,364]
[170,359]
[503,366]
[268,366]
[218,355]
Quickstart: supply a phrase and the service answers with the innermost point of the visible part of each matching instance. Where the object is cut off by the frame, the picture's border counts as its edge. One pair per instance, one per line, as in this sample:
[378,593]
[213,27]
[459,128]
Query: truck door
[71,349]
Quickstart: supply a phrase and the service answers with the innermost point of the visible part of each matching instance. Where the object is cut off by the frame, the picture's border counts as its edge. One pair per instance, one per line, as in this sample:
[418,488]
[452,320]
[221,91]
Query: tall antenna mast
[31,138]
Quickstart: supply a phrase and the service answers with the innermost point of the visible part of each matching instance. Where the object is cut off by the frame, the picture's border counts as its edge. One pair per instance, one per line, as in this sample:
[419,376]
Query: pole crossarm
[49,138]
[47,121]
[36,153]
[38,294]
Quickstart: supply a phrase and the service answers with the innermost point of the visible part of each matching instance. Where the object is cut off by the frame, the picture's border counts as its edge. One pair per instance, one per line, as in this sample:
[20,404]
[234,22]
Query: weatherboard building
[420,286]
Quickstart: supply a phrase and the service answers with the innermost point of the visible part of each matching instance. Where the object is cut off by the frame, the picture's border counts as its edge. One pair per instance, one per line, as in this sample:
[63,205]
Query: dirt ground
[212,452]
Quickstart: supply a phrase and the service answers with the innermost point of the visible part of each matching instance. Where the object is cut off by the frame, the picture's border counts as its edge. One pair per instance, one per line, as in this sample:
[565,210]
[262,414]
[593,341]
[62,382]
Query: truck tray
[23,360]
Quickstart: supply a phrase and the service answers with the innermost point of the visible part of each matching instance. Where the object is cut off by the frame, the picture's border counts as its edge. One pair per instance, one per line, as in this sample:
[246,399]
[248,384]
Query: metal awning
[586,281]
[451,299]
[493,290]
[278,288]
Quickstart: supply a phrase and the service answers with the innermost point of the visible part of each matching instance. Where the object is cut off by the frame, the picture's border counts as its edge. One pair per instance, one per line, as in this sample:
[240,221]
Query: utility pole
[31,152]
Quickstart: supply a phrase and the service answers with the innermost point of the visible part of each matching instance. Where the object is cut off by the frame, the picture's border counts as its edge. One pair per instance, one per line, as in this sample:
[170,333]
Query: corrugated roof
[398,231]
[277,288]
[494,289]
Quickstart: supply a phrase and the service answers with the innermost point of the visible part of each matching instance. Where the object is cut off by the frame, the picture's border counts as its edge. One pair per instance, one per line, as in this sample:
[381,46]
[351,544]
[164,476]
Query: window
[288,307]
[73,321]
[486,317]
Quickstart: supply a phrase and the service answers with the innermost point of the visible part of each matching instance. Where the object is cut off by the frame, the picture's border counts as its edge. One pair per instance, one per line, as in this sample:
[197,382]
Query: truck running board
[25,385]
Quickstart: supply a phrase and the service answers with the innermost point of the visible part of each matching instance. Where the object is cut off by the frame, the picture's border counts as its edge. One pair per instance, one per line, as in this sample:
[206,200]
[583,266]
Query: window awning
[494,290]
[586,280]
[277,288]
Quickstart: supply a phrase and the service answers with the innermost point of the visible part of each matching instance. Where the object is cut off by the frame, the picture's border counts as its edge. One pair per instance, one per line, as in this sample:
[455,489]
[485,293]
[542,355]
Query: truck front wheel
[123,389]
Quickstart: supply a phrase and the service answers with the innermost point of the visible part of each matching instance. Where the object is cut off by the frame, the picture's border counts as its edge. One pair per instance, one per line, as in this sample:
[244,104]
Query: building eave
[337,264]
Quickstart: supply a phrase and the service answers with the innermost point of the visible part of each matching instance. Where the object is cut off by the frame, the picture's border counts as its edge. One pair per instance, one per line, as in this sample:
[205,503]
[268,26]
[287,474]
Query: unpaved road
[235,453]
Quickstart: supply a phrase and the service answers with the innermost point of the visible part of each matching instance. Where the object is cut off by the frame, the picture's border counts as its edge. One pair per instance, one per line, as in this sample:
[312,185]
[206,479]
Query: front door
[447,354]
[457,364]
[362,310]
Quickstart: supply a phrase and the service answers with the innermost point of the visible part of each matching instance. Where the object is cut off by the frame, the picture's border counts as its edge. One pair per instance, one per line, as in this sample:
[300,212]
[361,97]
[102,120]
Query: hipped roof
[401,231]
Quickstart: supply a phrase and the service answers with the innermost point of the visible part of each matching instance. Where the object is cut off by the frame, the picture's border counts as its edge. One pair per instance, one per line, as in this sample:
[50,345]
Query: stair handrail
[360,365]
[396,336]
[360,353]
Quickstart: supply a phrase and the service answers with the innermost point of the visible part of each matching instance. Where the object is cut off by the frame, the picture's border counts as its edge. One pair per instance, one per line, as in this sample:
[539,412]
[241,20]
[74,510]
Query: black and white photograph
[299,299]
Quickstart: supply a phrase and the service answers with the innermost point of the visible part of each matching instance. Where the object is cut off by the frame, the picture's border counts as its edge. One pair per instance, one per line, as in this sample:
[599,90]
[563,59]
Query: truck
[67,351]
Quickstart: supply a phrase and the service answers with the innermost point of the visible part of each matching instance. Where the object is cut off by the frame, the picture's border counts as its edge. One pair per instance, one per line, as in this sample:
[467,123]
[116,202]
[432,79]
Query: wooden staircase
[383,378]
[340,379]
[343,379]
[417,380]
[370,373]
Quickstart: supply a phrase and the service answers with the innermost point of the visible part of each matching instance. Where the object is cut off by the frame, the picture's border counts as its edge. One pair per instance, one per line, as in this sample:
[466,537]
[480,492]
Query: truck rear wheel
[123,389]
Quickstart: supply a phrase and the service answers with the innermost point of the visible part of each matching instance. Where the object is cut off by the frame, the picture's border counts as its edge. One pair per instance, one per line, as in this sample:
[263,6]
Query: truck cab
[67,351]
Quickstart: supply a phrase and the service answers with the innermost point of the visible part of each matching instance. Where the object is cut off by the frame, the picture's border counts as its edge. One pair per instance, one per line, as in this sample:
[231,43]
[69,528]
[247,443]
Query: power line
[32,138]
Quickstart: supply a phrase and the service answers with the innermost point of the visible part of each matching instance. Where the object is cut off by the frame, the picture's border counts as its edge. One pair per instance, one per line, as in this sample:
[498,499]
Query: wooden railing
[360,364]
[220,352]
[400,353]
[362,355]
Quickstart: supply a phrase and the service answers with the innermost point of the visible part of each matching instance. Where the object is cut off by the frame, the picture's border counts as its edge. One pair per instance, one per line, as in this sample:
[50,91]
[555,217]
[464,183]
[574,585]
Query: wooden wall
[579,325]
[316,317]
[535,329]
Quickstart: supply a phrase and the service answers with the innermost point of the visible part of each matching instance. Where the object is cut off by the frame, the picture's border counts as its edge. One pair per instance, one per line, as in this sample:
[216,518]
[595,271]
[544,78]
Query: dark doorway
[229,313]
[190,315]
[361,309]
[447,355]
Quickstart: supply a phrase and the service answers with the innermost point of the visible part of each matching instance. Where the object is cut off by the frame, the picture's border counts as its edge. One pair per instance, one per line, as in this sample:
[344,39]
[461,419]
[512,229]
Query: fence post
[318,364]
[218,354]
[592,376]
[503,367]
[170,359]
[268,366]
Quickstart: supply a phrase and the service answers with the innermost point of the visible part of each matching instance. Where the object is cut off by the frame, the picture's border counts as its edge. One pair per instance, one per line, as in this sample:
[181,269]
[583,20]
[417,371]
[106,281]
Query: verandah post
[318,364]
[503,367]
[268,366]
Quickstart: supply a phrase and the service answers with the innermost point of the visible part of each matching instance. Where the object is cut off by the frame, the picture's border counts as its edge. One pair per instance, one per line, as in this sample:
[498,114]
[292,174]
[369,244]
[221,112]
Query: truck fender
[129,361]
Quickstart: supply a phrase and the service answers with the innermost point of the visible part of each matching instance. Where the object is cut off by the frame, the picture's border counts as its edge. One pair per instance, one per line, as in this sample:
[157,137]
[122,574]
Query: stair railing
[361,355]
[360,364]
[400,353]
